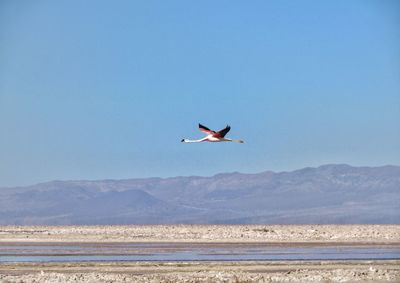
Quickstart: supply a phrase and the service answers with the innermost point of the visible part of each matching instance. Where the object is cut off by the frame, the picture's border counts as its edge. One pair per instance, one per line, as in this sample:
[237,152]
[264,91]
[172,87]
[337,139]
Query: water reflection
[44,252]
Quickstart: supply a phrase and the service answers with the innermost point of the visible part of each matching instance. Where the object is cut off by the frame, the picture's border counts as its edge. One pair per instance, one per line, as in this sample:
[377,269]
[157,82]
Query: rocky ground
[203,233]
[328,271]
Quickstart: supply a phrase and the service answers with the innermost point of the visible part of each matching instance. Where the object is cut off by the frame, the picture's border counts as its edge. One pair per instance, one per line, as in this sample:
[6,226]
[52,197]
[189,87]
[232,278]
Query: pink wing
[206,130]
[223,132]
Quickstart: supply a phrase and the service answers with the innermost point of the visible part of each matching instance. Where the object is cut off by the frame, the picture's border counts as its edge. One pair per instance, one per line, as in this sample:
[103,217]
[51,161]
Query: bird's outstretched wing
[223,132]
[206,130]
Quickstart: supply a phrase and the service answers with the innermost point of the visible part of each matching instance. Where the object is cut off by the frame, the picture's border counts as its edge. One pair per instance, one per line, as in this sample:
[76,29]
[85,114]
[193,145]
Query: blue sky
[107,89]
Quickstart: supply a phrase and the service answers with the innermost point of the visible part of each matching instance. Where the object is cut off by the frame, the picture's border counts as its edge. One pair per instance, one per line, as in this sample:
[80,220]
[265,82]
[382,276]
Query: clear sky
[107,89]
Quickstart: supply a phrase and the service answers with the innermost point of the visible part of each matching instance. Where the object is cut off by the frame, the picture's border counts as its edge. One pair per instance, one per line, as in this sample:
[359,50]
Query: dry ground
[204,233]
[296,271]
[272,271]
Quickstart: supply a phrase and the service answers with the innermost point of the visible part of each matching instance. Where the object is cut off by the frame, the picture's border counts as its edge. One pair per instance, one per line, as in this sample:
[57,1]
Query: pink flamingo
[213,136]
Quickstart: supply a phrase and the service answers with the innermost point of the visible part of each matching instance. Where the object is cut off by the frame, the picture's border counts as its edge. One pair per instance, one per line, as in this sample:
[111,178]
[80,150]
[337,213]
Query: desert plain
[204,271]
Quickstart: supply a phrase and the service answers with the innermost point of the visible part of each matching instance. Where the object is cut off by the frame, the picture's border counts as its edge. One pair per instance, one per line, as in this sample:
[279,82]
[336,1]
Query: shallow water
[44,252]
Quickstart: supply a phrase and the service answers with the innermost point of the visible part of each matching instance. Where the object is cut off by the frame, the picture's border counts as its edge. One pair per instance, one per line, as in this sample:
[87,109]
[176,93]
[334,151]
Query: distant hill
[327,194]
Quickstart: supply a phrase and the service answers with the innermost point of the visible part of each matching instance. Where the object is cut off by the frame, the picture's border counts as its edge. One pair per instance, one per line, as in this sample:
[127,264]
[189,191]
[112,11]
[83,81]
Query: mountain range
[329,194]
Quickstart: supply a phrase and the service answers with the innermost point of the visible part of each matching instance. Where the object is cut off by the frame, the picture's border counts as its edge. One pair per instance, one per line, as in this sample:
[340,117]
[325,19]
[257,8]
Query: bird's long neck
[191,141]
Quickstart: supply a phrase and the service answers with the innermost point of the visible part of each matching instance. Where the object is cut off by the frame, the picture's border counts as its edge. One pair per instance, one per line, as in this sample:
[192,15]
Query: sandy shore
[281,271]
[204,233]
[243,271]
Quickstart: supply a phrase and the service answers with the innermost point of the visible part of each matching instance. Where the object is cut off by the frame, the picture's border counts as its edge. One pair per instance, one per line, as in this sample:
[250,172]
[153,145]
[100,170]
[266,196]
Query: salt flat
[281,271]
[204,271]
[203,233]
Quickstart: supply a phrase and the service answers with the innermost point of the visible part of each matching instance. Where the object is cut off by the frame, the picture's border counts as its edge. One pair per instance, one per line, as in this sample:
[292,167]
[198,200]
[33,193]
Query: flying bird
[213,136]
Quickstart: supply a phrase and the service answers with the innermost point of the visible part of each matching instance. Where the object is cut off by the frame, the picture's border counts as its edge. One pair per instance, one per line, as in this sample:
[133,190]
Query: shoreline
[228,243]
[204,233]
[383,270]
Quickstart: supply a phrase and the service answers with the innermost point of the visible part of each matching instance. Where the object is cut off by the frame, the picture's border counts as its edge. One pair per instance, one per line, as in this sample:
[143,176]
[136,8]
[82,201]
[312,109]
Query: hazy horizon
[201,176]
[330,194]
